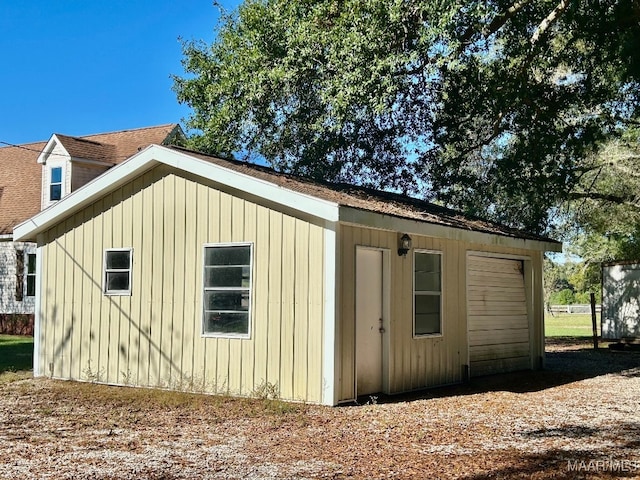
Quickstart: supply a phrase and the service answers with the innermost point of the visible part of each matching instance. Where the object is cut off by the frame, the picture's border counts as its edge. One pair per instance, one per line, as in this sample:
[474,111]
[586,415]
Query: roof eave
[154,155]
[46,151]
[356,216]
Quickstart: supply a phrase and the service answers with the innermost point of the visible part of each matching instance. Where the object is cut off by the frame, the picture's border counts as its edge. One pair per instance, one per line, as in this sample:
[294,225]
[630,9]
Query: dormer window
[55,186]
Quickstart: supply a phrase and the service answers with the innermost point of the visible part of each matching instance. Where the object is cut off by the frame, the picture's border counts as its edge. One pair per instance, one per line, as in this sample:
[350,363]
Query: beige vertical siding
[153,337]
[420,362]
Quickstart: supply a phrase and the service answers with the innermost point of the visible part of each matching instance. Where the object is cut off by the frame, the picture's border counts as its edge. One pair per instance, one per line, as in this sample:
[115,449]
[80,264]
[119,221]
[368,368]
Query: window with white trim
[427,293]
[117,271]
[31,275]
[227,289]
[55,184]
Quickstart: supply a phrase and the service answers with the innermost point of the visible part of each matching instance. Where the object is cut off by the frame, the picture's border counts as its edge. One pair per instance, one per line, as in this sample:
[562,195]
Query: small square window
[227,289]
[55,186]
[117,271]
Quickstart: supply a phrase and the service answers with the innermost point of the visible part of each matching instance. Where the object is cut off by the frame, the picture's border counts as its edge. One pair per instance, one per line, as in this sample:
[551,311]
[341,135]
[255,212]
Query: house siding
[83,174]
[153,337]
[58,157]
[8,278]
[421,362]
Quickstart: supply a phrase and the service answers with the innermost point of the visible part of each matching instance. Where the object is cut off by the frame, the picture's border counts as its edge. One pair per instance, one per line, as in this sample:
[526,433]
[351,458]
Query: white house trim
[48,148]
[37,312]
[354,216]
[155,155]
[329,345]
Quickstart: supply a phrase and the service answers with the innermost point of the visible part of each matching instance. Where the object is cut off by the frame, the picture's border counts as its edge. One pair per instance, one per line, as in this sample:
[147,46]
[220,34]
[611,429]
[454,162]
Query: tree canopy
[495,108]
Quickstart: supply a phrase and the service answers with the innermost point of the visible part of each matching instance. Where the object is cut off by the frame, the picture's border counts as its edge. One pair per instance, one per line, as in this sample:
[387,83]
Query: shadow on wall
[621,301]
[137,335]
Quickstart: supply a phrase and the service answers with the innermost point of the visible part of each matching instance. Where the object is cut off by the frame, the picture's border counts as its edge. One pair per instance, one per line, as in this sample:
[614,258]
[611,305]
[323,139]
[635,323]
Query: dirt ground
[580,418]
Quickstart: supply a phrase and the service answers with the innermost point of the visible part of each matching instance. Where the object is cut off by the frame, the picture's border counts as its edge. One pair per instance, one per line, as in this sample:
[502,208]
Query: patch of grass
[569,325]
[16,353]
[9,376]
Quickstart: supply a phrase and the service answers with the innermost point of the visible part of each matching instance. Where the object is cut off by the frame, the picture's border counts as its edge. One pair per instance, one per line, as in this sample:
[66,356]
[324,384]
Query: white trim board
[155,155]
[354,216]
[329,345]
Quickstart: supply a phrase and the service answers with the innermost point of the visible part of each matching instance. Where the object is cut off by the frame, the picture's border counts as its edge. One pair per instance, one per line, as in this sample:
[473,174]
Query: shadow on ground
[16,353]
[567,360]
[564,464]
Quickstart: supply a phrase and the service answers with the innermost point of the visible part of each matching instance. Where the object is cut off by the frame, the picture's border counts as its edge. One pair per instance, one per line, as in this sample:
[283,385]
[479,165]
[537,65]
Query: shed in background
[620,299]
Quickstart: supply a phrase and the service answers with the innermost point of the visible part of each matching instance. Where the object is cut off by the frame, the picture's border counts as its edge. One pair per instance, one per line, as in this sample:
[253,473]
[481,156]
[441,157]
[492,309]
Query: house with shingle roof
[176,269]
[36,175]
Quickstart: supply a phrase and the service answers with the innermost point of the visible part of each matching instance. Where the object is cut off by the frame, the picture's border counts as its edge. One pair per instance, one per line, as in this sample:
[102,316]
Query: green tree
[489,107]
[563,297]
[605,203]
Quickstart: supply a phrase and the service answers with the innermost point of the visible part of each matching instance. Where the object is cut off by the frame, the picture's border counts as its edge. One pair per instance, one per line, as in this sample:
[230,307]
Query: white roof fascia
[154,155]
[46,151]
[261,188]
[350,215]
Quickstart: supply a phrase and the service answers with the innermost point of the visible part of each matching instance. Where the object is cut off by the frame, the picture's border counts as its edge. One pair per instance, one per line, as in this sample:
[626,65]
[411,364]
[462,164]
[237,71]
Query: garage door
[497,316]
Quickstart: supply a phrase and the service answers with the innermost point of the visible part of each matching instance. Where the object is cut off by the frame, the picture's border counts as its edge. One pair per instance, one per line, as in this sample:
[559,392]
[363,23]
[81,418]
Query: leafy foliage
[605,203]
[571,282]
[490,107]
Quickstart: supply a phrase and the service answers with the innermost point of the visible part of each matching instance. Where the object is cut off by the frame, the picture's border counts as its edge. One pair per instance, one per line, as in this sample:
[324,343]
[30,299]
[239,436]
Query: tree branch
[552,17]
[496,24]
[607,197]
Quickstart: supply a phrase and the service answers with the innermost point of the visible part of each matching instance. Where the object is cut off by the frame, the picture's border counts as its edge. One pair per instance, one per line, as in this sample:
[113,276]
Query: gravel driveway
[580,418]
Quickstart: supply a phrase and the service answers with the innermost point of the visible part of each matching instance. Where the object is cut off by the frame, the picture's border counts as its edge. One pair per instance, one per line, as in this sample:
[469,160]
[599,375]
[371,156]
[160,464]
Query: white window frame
[105,271]
[432,293]
[52,183]
[28,274]
[249,289]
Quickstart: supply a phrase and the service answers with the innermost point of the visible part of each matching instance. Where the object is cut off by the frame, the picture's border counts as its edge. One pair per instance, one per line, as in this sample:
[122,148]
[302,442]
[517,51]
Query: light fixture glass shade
[405,245]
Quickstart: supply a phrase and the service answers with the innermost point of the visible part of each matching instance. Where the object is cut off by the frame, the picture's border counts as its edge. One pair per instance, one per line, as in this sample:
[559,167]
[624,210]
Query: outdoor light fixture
[405,245]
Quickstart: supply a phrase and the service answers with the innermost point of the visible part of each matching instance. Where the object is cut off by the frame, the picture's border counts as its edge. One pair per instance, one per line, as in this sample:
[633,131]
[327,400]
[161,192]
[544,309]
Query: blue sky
[83,67]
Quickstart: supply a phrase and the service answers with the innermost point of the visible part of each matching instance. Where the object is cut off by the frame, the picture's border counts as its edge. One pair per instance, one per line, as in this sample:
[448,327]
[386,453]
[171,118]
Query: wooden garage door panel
[487,367]
[498,322]
[494,264]
[499,337]
[488,352]
[494,292]
[479,307]
[494,279]
[491,322]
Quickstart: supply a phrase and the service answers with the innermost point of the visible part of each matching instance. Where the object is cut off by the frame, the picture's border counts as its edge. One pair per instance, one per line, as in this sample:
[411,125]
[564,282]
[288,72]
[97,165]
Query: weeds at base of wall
[93,376]
[267,393]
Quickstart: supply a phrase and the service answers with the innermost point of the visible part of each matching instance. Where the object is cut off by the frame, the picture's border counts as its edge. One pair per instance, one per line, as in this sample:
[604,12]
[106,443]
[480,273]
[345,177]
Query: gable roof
[368,199]
[330,202]
[85,148]
[20,184]
[20,172]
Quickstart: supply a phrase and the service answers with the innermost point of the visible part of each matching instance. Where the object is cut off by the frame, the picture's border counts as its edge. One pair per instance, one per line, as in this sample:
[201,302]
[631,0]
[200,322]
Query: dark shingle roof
[21,175]
[371,200]
[20,184]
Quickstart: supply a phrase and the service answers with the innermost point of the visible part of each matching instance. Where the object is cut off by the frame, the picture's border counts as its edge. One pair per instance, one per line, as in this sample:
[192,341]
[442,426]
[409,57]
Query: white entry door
[369,325]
